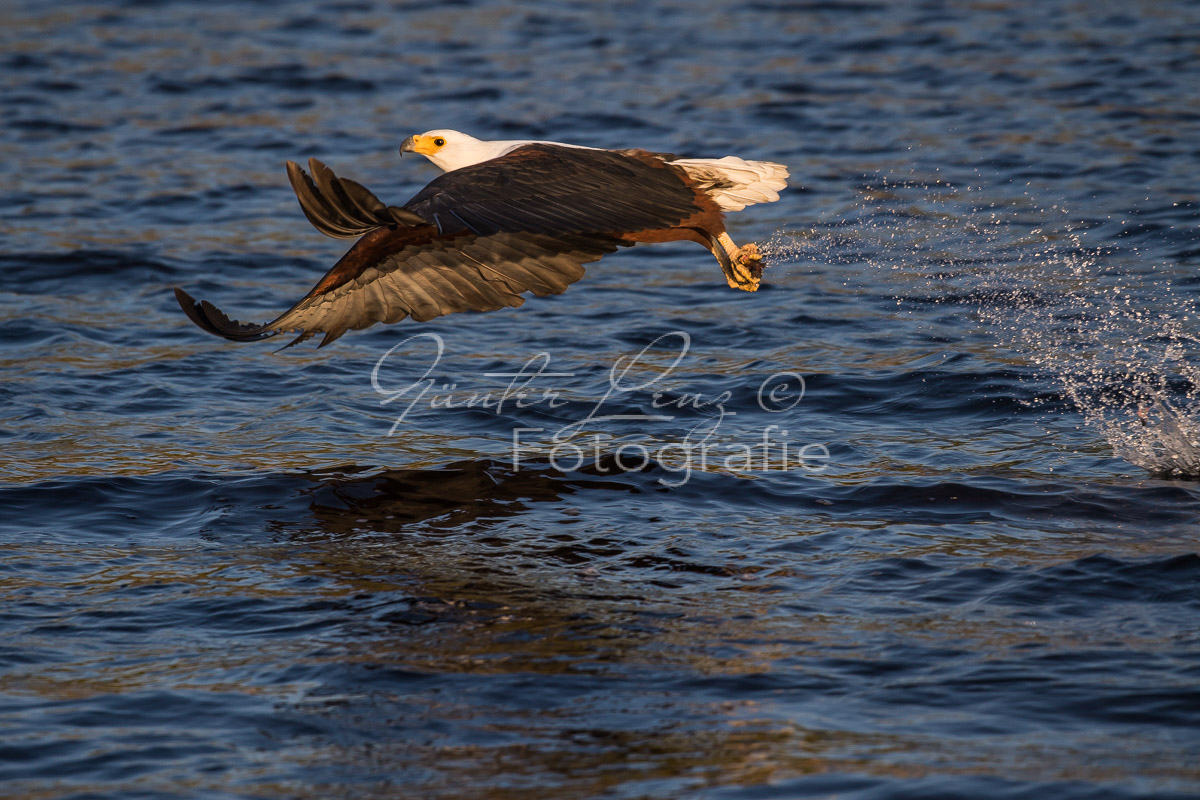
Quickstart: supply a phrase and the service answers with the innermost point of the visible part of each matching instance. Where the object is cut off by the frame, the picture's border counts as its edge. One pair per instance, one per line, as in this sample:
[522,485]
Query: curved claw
[745,269]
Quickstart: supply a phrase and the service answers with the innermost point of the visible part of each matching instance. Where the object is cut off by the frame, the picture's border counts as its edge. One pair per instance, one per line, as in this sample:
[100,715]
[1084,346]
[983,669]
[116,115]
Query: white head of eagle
[450,150]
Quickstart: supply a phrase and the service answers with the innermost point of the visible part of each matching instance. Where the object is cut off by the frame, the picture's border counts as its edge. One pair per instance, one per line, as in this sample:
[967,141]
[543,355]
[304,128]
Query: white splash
[1124,350]
[1107,325]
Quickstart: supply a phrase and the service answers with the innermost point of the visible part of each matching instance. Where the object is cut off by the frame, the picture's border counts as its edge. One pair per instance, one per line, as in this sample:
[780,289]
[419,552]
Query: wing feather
[417,293]
[342,208]
[551,189]
[420,277]
[478,293]
[449,299]
[477,238]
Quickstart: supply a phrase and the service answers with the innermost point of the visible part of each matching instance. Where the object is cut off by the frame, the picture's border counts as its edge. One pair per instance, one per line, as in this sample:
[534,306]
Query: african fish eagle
[506,217]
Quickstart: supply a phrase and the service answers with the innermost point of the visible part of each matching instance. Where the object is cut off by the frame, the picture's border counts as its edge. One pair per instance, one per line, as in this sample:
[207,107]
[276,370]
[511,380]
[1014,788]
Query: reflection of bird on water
[507,217]
[451,494]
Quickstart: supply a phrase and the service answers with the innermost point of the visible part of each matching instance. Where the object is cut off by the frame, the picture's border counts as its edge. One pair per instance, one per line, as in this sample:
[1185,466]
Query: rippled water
[901,524]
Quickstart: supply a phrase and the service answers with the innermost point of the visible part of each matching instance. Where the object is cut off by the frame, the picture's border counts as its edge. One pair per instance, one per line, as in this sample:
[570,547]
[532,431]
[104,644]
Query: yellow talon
[742,265]
[746,273]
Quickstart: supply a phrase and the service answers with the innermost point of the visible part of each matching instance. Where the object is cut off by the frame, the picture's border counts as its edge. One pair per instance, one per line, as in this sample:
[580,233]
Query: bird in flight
[505,218]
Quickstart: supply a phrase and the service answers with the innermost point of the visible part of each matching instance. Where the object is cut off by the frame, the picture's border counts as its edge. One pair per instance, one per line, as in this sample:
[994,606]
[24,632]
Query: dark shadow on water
[350,498]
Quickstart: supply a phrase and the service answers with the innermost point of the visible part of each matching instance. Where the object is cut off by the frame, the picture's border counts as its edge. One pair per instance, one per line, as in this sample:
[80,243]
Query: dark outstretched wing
[392,274]
[473,239]
[552,189]
[339,207]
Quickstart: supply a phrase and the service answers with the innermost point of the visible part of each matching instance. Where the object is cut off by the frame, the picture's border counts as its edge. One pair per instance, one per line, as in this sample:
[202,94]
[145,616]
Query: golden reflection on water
[446,574]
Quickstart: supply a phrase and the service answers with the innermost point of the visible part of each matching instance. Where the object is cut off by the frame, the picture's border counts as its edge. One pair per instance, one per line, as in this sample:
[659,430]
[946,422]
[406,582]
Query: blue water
[890,527]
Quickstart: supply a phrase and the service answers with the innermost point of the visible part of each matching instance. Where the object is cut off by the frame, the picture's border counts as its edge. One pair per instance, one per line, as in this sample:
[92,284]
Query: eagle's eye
[439,142]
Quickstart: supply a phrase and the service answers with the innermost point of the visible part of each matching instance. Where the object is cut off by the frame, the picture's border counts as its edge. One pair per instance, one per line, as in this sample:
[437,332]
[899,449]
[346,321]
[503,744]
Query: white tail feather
[734,182]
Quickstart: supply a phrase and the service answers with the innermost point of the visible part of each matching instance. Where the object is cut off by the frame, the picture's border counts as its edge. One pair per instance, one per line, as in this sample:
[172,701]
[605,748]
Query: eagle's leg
[742,265]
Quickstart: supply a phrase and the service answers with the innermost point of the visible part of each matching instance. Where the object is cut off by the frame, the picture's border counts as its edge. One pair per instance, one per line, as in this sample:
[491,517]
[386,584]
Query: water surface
[228,572]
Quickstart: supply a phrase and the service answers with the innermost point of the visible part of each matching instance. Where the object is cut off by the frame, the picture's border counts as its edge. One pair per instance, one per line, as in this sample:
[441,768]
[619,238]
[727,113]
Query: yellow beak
[417,144]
